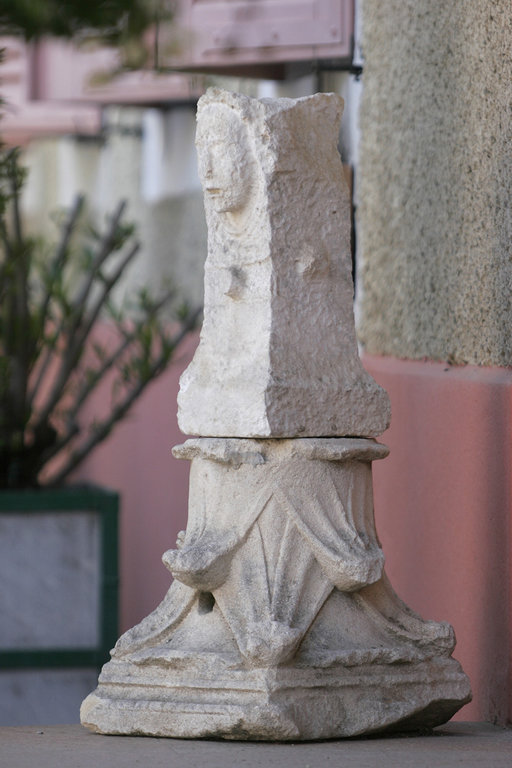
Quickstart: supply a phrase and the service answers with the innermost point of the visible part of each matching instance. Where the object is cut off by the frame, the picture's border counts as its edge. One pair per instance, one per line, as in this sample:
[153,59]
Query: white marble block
[278,354]
[280,623]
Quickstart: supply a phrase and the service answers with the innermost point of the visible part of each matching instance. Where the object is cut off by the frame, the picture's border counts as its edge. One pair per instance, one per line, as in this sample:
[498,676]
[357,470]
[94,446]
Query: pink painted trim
[433,369]
[21,123]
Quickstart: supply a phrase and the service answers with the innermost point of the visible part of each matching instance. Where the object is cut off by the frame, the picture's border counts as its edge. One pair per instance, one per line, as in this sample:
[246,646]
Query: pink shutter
[65,72]
[220,33]
[23,116]
[49,88]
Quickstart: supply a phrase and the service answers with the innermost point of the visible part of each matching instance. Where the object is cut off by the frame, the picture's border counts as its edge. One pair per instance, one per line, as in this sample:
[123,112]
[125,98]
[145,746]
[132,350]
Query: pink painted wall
[136,461]
[443,502]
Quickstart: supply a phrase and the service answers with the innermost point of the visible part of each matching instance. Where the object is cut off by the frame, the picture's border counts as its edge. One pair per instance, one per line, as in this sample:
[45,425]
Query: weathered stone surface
[433,216]
[286,705]
[278,354]
[281,623]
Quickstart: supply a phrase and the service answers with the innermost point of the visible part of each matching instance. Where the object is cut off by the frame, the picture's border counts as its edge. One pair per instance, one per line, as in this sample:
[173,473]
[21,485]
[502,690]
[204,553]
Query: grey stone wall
[434,216]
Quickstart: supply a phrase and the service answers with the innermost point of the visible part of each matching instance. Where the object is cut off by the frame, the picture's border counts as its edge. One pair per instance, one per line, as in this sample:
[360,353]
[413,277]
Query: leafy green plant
[51,299]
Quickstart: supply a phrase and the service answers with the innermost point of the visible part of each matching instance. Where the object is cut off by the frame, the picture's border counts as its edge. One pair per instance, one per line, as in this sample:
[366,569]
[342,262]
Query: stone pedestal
[281,624]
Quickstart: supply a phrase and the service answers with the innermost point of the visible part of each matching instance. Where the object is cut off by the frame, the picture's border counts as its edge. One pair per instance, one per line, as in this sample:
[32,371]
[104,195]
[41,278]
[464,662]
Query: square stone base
[283,704]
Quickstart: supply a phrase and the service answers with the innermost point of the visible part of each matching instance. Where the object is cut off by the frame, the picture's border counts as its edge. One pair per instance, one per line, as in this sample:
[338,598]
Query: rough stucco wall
[434,218]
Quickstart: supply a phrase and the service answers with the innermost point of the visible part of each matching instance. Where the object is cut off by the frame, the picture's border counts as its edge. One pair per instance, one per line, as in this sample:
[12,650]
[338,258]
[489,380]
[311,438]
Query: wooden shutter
[233,33]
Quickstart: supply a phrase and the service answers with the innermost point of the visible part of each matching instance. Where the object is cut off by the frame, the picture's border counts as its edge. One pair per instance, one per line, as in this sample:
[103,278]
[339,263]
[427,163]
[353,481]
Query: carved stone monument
[280,623]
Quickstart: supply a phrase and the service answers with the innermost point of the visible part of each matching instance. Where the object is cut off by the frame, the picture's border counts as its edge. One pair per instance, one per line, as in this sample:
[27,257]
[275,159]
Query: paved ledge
[477,745]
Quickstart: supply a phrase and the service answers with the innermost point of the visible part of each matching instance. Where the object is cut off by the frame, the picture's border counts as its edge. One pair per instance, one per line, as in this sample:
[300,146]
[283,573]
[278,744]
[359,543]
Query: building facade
[430,150]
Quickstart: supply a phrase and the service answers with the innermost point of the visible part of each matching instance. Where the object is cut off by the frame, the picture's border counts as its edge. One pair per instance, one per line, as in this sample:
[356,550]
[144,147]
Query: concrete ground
[71,746]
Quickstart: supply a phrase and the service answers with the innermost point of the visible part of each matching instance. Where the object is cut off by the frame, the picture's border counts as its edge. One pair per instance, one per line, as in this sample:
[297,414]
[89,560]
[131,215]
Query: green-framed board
[104,505]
